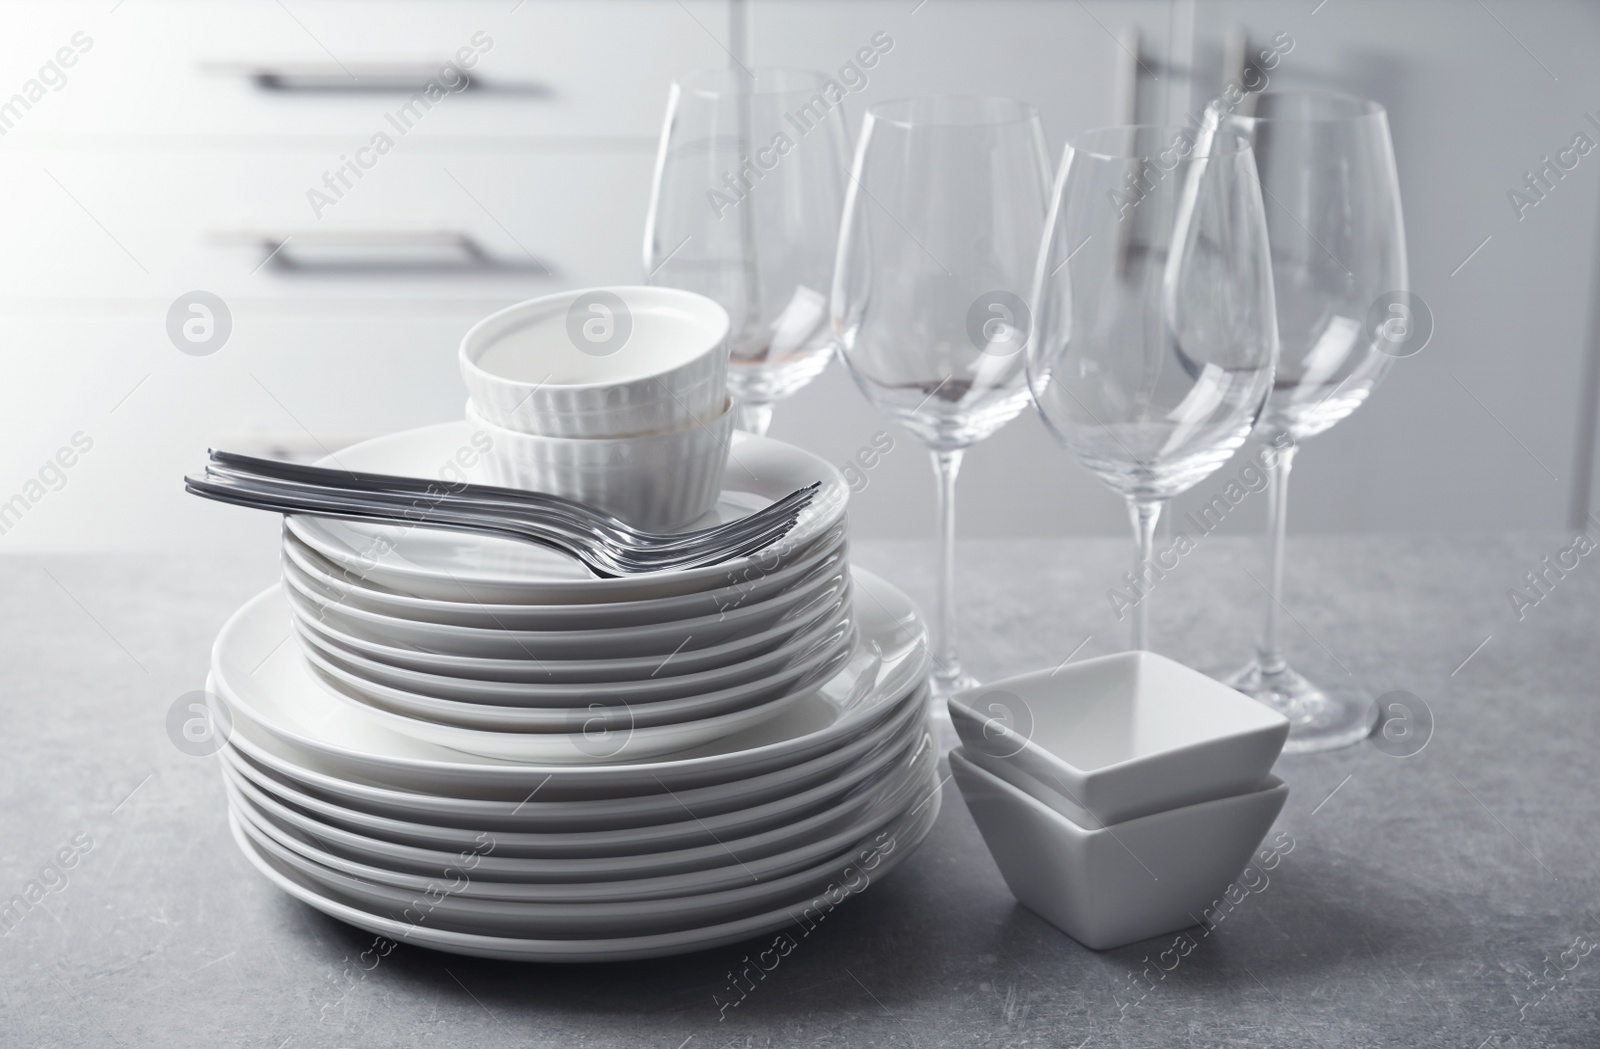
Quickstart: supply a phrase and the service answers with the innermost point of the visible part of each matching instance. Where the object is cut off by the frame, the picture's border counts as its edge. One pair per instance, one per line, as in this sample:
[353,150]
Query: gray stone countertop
[1427,902]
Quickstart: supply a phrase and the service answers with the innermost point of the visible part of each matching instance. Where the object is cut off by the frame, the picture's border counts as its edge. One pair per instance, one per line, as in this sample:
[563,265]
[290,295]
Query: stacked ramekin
[615,396]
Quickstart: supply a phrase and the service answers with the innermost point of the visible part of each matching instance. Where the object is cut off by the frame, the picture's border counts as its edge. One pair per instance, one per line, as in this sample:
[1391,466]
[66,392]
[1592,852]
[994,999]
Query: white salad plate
[543,706]
[458,566]
[594,826]
[481,871]
[828,602]
[269,691]
[756,583]
[869,863]
[600,733]
[686,829]
[702,631]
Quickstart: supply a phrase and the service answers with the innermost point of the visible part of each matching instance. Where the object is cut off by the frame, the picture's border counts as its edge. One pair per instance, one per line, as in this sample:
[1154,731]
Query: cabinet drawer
[315,68]
[435,225]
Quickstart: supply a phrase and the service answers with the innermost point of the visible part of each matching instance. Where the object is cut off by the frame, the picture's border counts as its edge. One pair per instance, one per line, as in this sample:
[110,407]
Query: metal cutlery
[606,545]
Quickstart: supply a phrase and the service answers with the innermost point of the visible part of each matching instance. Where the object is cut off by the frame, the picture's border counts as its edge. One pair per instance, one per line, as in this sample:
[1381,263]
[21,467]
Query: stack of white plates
[473,745]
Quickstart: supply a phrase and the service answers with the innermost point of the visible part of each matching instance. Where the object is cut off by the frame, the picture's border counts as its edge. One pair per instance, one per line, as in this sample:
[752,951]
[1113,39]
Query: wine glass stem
[1143,513]
[946,465]
[754,417]
[1268,655]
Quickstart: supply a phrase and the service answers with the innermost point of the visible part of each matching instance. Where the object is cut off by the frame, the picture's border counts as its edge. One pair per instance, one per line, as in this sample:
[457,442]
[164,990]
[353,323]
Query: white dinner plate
[598,826]
[270,692]
[853,877]
[756,583]
[485,874]
[704,631]
[685,829]
[460,566]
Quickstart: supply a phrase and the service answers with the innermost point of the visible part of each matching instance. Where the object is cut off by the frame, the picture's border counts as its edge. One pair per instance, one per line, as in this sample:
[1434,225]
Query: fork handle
[379,514]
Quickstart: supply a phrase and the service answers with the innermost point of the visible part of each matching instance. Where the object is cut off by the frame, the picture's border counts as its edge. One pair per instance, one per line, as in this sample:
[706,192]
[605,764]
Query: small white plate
[853,875]
[704,631]
[597,826]
[458,566]
[272,693]
[757,583]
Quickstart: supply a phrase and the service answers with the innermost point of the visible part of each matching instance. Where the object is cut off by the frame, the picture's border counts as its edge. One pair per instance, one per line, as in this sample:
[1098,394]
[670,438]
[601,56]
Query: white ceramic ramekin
[660,482]
[599,362]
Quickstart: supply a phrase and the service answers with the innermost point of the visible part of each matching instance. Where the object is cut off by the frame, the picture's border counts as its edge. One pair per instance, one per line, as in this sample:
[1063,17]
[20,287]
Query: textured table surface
[1430,900]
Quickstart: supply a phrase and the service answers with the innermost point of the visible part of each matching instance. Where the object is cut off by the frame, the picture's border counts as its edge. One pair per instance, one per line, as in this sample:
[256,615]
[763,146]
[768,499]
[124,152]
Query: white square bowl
[1124,883]
[1122,736]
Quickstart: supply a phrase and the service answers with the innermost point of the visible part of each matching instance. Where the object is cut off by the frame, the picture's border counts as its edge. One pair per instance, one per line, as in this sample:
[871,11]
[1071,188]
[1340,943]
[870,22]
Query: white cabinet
[444,224]
[184,143]
[188,69]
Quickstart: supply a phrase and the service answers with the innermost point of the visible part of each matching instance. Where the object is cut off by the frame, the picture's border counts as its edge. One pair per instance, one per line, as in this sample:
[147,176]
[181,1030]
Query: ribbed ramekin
[660,482]
[599,362]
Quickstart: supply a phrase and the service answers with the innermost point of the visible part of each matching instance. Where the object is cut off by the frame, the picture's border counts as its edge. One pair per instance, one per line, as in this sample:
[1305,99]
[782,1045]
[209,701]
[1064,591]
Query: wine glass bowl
[942,221]
[744,209]
[1333,216]
[1154,341]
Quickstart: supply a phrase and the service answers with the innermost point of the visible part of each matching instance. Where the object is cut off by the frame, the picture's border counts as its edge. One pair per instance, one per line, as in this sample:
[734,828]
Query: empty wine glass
[744,209]
[1154,338]
[942,220]
[1344,314]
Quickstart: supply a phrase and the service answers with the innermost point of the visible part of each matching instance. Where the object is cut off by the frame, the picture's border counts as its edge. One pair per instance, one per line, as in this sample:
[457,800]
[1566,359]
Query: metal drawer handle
[375,251]
[314,76]
[401,76]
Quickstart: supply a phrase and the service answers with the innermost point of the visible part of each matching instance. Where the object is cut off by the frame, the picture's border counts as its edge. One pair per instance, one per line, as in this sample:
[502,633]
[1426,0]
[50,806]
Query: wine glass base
[1319,718]
[941,688]
[946,685]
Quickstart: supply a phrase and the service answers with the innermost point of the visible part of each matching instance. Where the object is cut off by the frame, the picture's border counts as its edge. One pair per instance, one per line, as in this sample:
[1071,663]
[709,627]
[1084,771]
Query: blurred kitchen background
[166,146]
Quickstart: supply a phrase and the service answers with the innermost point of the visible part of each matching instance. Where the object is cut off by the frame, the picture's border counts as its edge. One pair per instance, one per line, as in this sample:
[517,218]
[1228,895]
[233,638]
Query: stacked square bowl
[473,744]
[1121,795]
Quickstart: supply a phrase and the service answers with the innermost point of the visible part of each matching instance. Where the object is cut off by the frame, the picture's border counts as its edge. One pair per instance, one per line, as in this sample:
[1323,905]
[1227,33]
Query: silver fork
[513,500]
[607,546]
